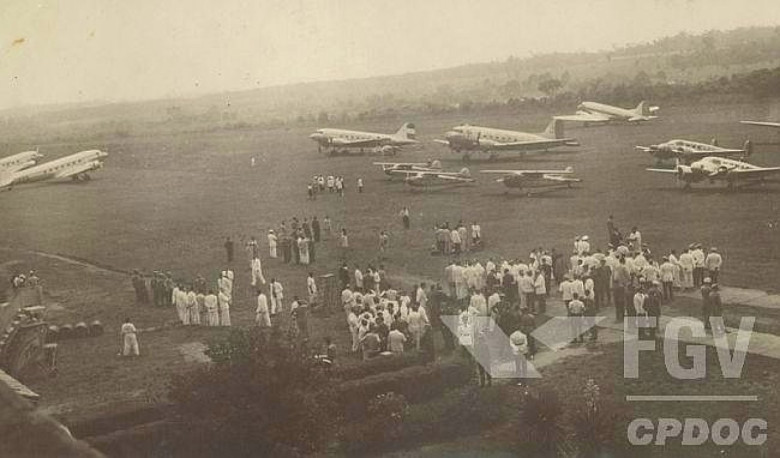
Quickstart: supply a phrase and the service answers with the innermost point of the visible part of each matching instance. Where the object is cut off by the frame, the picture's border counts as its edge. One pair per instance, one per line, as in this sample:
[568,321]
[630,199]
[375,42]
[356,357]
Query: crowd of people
[456,239]
[333,184]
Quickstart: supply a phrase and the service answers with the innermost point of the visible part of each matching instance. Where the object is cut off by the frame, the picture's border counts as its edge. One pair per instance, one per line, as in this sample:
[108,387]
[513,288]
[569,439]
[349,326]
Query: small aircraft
[403,169]
[776,125]
[528,180]
[687,151]
[439,179]
[468,138]
[713,169]
[75,166]
[600,113]
[339,139]
[19,161]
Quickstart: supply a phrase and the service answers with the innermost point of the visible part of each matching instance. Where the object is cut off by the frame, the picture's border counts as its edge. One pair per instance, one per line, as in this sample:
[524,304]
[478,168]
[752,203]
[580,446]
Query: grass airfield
[167,201]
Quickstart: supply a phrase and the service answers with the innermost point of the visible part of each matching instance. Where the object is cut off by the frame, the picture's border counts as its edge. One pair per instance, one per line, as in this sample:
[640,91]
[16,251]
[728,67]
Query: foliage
[416,384]
[593,423]
[262,397]
[382,424]
[362,369]
[541,425]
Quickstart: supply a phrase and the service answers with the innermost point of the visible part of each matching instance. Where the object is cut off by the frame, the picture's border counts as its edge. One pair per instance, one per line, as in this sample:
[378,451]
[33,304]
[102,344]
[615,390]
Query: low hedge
[378,365]
[416,384]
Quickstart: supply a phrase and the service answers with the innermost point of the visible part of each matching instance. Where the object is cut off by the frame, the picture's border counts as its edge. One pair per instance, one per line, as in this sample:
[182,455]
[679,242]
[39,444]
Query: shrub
[262,397]
[378,365]
[416,384]
[382,424]
[541,426]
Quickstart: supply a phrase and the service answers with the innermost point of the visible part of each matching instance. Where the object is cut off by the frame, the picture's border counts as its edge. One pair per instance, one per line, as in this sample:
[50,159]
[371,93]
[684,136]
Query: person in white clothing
[129,339]
[354,328]
[262,313]
[358,279]
[416,325]
[311,288]
[210,303]
[422,297]
[277,294]
[192,308]
[396,340]
[223,317]
[686,269]
[272,243]
[476,233]
[257,272]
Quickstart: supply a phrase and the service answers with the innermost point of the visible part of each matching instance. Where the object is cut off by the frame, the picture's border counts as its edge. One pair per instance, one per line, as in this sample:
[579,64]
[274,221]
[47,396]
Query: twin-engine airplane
[404,169]
[339,139]
[600,113]
[536,181]
[686,151]
[439,179]
[75,166]
[468,138]
[720,169]
[19,161]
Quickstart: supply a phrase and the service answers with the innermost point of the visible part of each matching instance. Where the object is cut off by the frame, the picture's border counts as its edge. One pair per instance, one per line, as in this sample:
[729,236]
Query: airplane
[403,169]
[762,123]
[536,179]
[439,179]
[593,112]
[75,166]
[19,161]
[468,138]
[720,169]
[382,143]
[687,151]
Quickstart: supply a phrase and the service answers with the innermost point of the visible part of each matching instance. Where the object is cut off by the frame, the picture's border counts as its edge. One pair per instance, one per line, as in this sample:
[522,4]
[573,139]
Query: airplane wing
[529,172]
[87,167]
[357,143]
[406,164]
[762,123]
[584,116]
[754,173]
[663,170]
[645,149]
[561,179]
[443,142]
[520,146]
[455,177]
[641,118]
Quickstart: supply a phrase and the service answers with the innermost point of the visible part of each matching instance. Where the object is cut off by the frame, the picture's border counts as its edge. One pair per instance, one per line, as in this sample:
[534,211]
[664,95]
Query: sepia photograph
[390,228]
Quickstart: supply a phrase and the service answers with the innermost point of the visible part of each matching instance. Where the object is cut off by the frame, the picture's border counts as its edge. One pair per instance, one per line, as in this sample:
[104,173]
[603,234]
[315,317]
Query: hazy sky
[86,50]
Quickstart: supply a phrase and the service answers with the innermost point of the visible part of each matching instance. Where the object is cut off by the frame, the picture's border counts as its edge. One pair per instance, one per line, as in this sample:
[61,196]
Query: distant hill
[680,60]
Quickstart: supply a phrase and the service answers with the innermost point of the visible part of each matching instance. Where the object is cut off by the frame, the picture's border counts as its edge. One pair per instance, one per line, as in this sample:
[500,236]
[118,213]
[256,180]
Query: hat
[584,237]
[656,282]
[714,249]
[691,246]
[707,280]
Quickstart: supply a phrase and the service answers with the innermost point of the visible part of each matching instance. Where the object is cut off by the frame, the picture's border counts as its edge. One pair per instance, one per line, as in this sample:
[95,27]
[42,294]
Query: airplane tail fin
[554,129]
[465,172]
[569,169]
[407,131]
[642,109]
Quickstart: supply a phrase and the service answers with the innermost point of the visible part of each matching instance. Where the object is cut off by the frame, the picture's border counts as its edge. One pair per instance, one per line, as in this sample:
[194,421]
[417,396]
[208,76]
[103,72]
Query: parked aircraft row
[75,166]
[430,174]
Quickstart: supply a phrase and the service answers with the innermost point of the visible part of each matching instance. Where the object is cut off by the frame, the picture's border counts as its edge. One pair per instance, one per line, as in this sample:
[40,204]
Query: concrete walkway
[760,343]
[743,297]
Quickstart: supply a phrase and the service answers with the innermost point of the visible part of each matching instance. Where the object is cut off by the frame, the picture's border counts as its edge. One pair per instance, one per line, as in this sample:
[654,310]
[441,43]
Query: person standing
[706,304]
[303,248]
[344,243]
[262,313]
[576,311]
[540,293]
[360,185]
[621,277]
[686,270]
[405,218]
[272,242]
[716,310]
[358,279]
[251,247]
[299,311]
[277,295]
[192,307]
[311,288]
[667,279]
[395,340]
[476,233]
[224,311]
[129,339]
[229,247]
[257,272]
[518,342]
[698,265]
[455,241]
[712,263]
[315,229]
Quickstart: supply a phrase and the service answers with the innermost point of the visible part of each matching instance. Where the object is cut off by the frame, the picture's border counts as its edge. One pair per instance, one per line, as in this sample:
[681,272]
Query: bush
[377,365]
[382,425]
[416,384]
[261,397]
[541,426]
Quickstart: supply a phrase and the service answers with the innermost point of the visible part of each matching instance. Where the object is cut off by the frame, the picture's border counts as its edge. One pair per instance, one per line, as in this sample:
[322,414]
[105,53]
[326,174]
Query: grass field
[168,201]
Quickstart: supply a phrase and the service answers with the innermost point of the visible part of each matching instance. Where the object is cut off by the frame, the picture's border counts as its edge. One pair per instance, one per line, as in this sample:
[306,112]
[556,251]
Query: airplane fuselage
[20,161]
[344,138]
[609,110]
[83,162]
[476,138]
